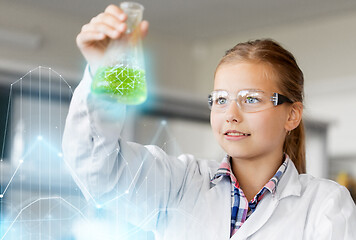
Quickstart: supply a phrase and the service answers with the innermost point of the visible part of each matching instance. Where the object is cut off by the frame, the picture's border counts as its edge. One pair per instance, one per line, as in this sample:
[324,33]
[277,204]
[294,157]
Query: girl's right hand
[95,36]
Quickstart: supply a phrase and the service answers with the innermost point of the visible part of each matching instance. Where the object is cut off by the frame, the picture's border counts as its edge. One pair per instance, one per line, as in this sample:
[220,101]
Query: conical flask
[120,75]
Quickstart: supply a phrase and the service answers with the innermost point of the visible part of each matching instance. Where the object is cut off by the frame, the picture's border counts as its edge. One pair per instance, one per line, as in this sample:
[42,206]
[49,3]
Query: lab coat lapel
[289,185]
[216,209]
[263,212]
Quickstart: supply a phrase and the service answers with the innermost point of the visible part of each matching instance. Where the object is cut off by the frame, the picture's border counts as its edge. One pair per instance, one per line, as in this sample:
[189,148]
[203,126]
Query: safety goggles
[248,101]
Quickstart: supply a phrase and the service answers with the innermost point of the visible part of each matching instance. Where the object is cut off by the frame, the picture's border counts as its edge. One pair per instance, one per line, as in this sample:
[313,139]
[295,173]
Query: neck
[253,173]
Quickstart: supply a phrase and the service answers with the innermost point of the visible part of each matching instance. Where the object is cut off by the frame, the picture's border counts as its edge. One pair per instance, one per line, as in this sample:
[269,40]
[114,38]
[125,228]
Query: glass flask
[120,74]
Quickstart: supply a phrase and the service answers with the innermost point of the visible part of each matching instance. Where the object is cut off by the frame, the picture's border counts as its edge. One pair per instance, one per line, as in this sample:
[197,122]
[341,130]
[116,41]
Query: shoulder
[331,210]
[326,198]
[320,187]
[308,186]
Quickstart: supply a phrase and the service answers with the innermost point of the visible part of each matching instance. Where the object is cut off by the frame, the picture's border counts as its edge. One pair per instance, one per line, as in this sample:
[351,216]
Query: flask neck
[134,13]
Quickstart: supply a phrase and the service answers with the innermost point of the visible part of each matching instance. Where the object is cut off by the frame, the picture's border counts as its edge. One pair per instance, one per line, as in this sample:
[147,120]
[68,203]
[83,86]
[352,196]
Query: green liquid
[122,84]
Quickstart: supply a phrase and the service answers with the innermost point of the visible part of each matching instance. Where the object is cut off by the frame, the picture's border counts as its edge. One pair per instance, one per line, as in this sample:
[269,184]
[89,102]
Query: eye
[221,101]
[252,100]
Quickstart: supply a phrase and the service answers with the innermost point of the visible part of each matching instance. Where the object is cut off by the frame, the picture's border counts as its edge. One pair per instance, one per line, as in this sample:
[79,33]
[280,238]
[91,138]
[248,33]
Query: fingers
[144,28]
[116,11]
[105,28]
[109,24]
[87,37]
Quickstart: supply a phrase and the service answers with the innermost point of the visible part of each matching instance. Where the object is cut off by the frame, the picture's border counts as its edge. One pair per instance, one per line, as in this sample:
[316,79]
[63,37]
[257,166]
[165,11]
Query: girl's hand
[95,36]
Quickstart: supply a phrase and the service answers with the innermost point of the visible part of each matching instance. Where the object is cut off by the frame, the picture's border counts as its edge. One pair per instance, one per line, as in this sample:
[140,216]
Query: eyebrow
[245,89]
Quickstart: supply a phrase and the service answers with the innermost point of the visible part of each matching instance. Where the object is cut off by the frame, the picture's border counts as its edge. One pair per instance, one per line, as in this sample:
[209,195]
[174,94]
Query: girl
[259,191]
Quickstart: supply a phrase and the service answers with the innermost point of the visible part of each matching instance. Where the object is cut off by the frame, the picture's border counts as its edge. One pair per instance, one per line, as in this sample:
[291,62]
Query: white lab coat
[173,196]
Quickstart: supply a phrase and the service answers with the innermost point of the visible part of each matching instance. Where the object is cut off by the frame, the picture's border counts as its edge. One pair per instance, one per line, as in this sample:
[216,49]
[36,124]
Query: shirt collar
[224,170]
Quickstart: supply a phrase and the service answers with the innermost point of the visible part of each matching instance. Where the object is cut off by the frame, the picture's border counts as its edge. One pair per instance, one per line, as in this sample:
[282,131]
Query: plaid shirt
[241,209]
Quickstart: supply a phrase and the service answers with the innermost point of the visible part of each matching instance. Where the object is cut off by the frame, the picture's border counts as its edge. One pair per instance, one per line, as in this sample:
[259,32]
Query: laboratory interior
[40,67]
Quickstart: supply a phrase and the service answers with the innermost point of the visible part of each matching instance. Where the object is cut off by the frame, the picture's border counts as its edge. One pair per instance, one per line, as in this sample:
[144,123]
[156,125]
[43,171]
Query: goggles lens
[247,100]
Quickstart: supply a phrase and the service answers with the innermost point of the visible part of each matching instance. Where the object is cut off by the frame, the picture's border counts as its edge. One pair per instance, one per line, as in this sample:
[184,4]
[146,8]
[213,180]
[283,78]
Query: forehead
[234,77]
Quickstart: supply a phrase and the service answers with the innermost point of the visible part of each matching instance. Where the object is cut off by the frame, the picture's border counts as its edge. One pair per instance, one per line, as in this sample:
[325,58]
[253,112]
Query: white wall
[56,32]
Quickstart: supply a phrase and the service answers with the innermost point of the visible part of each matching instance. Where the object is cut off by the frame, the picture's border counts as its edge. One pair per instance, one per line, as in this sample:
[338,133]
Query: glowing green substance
[122,84]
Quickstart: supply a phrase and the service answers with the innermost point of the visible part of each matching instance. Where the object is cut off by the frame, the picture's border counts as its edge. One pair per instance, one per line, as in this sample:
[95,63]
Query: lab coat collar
[289,185]
[290,178]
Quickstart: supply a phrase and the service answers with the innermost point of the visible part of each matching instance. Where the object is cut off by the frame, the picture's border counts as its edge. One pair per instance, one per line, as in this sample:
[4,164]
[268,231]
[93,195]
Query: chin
[237,152]
[241,156]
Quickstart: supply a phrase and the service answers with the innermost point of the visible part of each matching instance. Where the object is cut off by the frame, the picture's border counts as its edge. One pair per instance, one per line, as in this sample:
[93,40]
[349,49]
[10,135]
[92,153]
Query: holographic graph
[38,197]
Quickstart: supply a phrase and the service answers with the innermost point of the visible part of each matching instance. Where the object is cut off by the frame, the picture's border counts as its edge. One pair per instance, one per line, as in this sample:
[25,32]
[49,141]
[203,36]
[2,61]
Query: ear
[294,116]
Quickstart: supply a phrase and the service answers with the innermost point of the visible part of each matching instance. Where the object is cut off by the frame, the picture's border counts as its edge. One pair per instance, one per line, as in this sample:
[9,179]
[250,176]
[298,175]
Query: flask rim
[132,6]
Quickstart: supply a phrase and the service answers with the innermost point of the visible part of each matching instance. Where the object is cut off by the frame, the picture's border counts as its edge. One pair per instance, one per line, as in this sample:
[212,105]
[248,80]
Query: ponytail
[294,146]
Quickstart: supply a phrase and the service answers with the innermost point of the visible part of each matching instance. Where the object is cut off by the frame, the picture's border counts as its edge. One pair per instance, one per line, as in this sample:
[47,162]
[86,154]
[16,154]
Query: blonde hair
[291,84]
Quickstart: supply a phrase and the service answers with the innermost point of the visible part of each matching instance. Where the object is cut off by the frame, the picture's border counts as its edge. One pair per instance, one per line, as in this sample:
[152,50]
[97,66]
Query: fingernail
[122,27]
[122,16]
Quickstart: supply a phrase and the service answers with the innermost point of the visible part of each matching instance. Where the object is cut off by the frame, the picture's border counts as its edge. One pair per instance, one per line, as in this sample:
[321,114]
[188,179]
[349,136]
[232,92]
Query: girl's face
[264,131]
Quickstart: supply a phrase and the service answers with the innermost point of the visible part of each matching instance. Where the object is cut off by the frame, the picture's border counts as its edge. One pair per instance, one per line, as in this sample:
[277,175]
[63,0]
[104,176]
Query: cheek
[215,122]
[270,125]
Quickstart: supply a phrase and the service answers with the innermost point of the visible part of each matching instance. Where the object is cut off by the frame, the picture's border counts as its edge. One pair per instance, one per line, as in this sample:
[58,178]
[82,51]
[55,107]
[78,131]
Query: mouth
[234,133]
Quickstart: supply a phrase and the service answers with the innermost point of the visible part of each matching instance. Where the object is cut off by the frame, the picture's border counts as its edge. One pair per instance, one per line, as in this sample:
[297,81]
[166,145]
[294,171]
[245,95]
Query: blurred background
[185,43]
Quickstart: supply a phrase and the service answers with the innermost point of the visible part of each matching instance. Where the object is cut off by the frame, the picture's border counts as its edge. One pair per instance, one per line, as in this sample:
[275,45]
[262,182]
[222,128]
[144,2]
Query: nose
[233,113]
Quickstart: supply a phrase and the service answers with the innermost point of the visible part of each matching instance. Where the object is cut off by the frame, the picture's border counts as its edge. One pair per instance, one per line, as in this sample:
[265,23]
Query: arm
[91,134]
[108,169]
